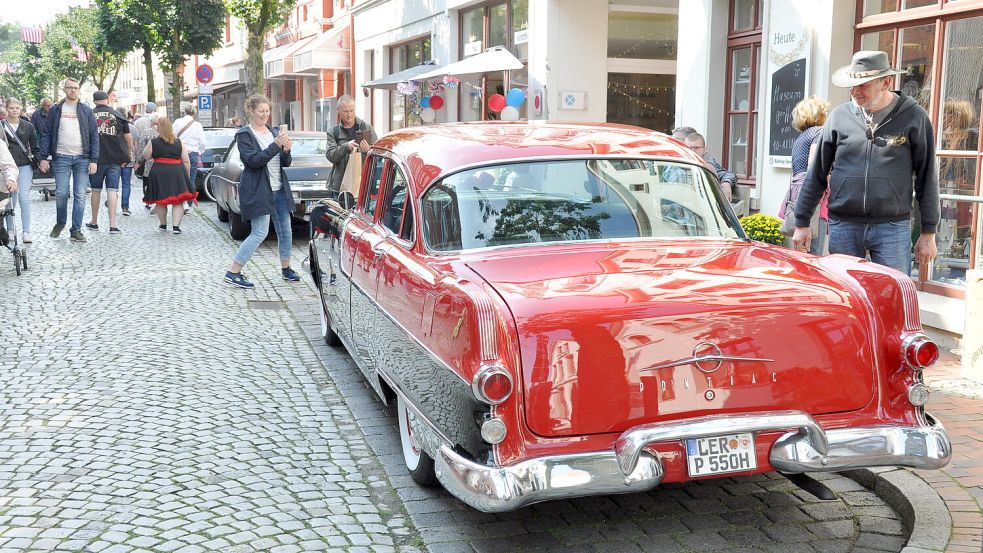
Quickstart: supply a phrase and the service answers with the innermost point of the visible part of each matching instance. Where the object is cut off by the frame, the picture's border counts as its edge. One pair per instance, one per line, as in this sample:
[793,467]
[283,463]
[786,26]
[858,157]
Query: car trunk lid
[613,336]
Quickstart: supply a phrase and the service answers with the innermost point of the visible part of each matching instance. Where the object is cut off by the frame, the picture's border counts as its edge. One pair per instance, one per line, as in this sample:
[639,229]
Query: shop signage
[521,37]
[573,100]
[789,50]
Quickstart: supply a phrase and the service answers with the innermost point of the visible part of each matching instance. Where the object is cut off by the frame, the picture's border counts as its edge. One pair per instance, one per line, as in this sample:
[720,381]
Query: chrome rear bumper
[630,469]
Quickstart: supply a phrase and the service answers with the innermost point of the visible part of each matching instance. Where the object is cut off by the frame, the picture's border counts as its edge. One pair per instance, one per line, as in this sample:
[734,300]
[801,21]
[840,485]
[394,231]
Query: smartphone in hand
[283,128]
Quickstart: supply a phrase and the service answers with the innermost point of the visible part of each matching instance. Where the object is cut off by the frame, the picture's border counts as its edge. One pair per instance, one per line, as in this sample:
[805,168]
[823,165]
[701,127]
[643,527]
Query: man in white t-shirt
[192,135]
[70,147]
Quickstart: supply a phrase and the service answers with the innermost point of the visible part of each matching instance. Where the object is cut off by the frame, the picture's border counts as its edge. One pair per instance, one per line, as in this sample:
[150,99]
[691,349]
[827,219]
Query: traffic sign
[204,102]
[204,73]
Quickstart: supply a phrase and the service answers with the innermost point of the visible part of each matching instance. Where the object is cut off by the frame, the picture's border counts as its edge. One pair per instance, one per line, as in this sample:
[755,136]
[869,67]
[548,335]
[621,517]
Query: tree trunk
[148,66]
[254,62]
[177,91]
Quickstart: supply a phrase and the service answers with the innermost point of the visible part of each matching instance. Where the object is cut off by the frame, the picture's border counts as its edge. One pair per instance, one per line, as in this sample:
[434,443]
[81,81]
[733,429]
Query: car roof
[436,150]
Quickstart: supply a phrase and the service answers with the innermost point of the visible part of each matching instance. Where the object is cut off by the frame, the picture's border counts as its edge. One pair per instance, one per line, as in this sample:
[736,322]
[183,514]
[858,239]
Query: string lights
[642,89]
[652,109]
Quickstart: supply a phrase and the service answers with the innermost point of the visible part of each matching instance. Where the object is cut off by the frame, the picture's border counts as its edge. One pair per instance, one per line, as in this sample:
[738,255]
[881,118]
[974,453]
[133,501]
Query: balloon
[496,102]
[436,102]
[428,115]
[425,102]
[515,97]
[510,113]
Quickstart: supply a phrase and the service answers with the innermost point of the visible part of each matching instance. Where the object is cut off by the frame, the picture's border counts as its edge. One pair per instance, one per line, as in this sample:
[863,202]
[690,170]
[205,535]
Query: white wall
[576,57]
[701,66]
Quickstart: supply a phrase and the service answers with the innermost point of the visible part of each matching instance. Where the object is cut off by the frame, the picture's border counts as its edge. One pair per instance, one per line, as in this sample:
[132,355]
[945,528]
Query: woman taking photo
[22,141]
[168,183]
[263,190]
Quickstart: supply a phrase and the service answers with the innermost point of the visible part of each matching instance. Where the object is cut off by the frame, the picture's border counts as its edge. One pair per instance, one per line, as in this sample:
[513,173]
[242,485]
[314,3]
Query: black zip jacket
[29,138]
[873,181]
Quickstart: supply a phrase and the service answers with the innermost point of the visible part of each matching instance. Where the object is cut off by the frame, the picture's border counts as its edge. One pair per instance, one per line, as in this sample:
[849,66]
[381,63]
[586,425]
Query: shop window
[642,100]
[403,56]
[945,79]
[740,107]
[637,35]
[500,23]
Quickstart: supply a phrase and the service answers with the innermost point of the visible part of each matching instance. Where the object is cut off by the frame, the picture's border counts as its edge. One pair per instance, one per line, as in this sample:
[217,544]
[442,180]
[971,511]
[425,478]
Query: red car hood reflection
[598,325]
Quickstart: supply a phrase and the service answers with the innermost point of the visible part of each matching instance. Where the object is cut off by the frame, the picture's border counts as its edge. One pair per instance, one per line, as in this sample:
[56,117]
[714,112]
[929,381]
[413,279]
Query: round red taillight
[920,352]
[492,385]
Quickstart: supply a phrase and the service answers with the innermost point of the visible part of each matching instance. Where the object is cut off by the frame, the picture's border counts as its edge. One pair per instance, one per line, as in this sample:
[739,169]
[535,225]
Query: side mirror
[347,200]
[218,158]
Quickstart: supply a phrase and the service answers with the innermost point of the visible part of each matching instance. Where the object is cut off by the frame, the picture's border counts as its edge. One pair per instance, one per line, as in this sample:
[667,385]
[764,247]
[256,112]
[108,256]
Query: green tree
[258,17]
[58,57]
[122,23]
[176,29]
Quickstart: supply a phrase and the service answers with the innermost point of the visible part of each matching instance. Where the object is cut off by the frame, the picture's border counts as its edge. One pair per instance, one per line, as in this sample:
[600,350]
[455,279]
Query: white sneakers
[26,237]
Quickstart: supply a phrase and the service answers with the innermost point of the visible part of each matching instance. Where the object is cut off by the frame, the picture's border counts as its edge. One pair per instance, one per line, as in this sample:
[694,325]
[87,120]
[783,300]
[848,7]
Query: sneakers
[126,212]
[162,227]
[238,280]
[77,236]
[56,231]
[290,275]
[177,230]
[92,226]
[114,230]
[27,238]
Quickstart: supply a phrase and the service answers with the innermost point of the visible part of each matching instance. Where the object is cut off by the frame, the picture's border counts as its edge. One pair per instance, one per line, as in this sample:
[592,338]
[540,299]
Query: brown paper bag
[352,180]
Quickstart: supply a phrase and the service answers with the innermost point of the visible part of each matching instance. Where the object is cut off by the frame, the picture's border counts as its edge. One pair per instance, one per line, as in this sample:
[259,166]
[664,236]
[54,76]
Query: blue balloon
[425,102]
[515,97]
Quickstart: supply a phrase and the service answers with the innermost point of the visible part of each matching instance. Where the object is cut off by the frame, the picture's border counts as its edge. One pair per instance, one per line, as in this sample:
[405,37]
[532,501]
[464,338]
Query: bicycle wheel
[23,258]
[17,262]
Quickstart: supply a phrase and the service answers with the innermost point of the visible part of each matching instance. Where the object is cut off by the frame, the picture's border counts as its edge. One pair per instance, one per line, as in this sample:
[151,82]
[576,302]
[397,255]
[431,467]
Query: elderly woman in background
[22,142]
[808,117]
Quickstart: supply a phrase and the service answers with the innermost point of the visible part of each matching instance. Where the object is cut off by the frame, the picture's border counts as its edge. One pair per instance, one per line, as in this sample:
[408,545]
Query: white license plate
[309,205]
[720,454]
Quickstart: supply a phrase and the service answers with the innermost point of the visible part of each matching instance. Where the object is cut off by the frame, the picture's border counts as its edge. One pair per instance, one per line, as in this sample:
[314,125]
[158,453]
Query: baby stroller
[9,238]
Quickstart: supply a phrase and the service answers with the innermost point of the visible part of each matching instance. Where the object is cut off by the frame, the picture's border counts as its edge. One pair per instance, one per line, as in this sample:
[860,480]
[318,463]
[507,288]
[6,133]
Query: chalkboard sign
[788,86]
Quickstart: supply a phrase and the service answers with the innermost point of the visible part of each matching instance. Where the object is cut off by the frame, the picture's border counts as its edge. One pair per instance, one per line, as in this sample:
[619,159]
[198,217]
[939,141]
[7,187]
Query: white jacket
[7,164]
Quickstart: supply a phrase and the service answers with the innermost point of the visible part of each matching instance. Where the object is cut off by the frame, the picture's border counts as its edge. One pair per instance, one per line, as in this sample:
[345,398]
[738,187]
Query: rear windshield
[219,138]
[570,200]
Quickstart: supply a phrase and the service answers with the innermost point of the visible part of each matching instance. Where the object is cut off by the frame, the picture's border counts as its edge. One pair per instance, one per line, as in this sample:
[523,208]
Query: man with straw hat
[876,152]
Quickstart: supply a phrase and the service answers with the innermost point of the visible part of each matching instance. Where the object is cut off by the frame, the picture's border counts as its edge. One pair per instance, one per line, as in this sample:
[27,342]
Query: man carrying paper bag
[347,141]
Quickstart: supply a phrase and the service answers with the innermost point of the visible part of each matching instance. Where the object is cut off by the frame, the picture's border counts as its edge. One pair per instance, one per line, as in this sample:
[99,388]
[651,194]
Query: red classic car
[563,310]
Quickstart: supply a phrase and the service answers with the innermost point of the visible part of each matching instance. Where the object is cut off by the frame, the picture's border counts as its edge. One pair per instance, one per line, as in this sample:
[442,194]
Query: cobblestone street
[145,406]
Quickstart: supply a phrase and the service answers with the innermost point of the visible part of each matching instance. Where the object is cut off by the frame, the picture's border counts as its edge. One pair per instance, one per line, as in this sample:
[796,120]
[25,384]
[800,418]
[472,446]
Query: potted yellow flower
[765,228]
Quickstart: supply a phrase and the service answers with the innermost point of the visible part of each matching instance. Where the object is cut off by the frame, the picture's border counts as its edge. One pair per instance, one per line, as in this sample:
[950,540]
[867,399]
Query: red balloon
[496,102]
[436,102]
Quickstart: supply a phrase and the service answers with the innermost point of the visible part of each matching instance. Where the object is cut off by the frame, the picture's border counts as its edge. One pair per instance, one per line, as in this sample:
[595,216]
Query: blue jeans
[194,157]
[889,244]
[75,168]
[126,176]
[108,173]
[261,226]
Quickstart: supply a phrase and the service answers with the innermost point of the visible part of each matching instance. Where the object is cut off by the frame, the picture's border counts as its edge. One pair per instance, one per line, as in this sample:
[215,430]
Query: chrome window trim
[532,159]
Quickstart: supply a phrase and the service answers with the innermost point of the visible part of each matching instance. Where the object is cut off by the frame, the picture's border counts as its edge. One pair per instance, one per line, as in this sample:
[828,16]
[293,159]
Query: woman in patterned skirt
[168,183]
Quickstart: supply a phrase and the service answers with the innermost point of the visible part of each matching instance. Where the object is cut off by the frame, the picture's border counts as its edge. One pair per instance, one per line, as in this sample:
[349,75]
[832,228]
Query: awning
[411,74]
[489,61]
[328,51]
[279,62]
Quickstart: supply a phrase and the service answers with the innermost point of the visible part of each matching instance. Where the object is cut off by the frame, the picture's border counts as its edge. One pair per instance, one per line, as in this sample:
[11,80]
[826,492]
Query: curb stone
[922,511]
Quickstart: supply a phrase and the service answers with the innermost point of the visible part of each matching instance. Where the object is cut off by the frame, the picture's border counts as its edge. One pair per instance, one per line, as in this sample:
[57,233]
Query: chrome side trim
[922,447]
[485,314]
[431,438]
[500,489]
[629,445]
[912,318]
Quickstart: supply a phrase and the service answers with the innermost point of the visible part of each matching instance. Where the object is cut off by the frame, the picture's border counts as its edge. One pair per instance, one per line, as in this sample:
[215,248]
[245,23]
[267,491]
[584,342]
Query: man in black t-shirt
[115,145]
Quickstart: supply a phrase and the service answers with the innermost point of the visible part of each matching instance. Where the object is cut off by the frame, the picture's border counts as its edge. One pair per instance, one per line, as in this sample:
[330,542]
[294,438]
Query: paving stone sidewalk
[147,407]
[958,403]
